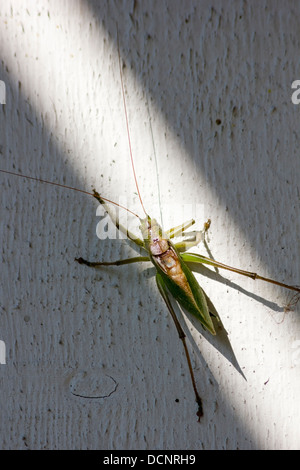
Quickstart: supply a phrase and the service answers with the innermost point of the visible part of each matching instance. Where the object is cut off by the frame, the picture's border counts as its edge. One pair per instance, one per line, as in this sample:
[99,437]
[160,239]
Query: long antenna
[127,124]
[67,187]
[156,165]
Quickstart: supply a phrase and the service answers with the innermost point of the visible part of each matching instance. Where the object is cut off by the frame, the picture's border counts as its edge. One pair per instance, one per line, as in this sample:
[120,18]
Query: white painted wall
[70,330]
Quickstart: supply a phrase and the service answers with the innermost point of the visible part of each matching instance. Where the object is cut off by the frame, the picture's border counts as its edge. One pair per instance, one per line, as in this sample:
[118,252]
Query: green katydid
[173,276]
[171,260]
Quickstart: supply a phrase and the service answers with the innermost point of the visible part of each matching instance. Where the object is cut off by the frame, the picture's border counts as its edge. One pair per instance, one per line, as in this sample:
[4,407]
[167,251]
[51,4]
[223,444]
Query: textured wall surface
[208,90]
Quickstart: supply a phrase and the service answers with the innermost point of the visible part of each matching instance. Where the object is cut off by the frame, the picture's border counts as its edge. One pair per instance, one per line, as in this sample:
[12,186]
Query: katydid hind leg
[164,293]
[200,259]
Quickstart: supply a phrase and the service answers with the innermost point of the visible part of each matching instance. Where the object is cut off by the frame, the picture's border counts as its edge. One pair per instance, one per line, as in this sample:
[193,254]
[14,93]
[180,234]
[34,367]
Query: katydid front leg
[116,222]
[199,235]
[131,236]
[95,264]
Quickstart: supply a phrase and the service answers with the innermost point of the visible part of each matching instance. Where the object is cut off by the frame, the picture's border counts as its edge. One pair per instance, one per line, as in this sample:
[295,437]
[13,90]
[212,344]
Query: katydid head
[150,228]
[153,236]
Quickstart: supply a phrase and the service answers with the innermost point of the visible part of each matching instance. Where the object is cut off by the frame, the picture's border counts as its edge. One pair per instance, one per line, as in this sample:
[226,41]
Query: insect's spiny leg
[182,336]
[95,264]
[198,398]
